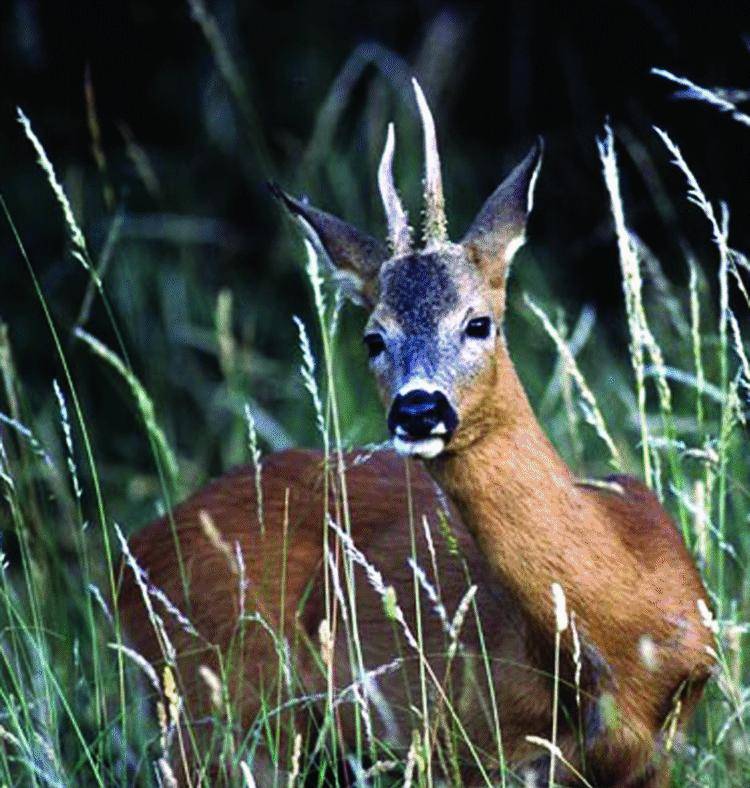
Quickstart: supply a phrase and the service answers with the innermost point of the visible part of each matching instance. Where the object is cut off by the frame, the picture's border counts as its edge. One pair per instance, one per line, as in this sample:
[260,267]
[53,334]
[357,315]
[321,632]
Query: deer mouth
[421,422]
[426,448]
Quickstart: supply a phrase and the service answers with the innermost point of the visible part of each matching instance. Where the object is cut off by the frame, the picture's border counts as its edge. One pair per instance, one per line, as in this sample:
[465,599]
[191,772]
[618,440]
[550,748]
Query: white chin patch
[427,449]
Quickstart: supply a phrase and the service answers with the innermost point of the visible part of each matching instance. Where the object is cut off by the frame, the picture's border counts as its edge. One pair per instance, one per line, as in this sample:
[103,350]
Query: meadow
[202,381]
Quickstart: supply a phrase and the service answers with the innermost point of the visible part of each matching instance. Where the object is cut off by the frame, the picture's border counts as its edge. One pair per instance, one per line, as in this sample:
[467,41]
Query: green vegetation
[191,377]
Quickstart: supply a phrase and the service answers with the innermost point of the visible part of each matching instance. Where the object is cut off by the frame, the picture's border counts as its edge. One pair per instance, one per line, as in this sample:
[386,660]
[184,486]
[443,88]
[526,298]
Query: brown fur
[519,647]
[618,557]
[380,527]
[522,521]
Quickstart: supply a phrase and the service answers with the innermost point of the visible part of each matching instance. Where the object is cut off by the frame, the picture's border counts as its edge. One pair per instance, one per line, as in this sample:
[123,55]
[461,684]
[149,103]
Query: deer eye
[375,344]
[478,328]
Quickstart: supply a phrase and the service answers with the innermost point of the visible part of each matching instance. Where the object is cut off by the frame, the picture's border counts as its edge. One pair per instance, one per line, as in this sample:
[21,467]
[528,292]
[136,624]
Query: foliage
[74,699]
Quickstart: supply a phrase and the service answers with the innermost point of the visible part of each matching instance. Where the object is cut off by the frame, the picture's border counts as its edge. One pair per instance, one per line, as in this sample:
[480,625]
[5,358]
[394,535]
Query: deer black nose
[422,414]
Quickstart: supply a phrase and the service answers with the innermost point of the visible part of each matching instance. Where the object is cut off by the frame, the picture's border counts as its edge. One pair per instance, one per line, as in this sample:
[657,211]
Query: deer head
[434,333]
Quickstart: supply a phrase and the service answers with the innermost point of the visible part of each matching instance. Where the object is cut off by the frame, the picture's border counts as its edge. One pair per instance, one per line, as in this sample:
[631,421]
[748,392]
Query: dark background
[517,69]
[496,75]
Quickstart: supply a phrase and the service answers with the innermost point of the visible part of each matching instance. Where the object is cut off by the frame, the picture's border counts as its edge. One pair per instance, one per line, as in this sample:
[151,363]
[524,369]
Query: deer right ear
[499,229]
[352,257]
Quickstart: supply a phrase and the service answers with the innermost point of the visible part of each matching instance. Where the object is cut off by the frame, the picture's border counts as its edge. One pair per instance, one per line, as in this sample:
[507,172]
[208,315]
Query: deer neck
[520,501]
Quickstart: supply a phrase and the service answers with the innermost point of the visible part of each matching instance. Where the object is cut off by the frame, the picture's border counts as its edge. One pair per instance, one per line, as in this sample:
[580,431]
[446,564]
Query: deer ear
[499,229]
[352,257]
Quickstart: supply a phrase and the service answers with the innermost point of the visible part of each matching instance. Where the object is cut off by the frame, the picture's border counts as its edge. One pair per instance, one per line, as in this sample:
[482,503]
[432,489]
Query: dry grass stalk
[594,415]
[213,682]
[214,536]
[296,754]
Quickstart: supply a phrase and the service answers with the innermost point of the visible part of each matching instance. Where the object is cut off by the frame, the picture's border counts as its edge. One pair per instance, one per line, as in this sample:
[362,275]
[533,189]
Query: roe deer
[521,520]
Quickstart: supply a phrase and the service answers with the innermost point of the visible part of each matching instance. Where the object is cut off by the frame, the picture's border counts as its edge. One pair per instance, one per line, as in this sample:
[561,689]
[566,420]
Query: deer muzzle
[421,422]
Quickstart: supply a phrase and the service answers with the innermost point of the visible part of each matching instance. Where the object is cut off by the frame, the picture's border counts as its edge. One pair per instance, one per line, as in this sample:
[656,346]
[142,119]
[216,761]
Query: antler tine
[399,232]
[435,228]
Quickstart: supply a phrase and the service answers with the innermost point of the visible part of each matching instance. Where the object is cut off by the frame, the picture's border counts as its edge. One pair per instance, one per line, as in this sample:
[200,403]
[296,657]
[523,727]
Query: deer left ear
[352,256]
[499,229]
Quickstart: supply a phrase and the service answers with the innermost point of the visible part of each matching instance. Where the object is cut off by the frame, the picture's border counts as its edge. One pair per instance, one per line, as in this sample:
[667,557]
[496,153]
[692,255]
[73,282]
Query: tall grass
[77,703]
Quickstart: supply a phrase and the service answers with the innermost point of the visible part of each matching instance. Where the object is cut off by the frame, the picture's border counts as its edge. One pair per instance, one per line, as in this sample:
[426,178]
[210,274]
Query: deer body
[621,563]
[380,514]
[521,520]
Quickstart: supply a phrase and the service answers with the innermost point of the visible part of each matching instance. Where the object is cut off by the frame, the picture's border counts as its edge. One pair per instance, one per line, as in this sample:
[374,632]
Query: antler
[435,229]
[399,232]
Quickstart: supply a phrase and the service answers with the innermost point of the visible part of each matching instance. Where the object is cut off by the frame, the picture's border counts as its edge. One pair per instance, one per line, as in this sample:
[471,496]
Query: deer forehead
[418,291]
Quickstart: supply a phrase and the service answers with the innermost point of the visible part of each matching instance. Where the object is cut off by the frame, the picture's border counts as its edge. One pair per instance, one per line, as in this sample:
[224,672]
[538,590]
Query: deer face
[431,340]
[435,324]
